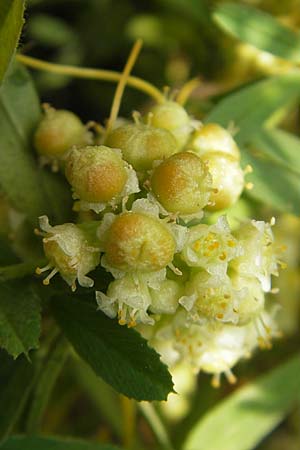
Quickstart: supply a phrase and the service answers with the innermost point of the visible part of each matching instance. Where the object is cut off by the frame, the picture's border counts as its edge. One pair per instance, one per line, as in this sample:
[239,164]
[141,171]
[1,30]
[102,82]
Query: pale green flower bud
[71,250]
[182,184]
[57,132]
[172,117]
[211,138]
[227,180]
[142,144]
[99,177]
[138,240]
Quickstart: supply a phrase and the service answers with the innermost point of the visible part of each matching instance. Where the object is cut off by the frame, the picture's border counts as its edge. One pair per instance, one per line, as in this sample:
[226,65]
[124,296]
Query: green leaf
[11,22]
[250,107]
[118,354]
[52,443]
[50,30]
[16,378]
[31,190]
[280,146]
[258,29]
[241,421]
[273,184]
[19,318]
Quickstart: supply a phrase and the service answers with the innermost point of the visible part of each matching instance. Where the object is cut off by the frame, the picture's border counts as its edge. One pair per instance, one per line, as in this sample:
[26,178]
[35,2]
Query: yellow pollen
[231,243]
[249,186]
[223,256]
[177,333]
[214,246]
[197,245]
[248,169]
[220,316]
[282,248]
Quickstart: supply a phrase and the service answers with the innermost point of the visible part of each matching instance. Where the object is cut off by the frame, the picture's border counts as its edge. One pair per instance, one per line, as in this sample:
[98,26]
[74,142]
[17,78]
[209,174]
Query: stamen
[166,92]
[216,380]
[136,115]
[46,281]
[174,269]
[274,291]
[150,118]
[249,186]
[248,169]
[40,270]
[38,232]
[124,201]
[231,378]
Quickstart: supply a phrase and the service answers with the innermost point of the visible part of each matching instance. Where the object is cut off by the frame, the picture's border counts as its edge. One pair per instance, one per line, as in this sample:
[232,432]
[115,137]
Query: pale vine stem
[157,425]
[92,74]
[121,85]
[128,408]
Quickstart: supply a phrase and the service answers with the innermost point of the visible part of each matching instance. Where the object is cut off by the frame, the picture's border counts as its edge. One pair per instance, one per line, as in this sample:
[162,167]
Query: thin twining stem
[121,85]
[92,74]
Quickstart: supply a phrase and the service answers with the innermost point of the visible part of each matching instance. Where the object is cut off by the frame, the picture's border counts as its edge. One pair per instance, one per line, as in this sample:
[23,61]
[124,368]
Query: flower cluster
[196,291]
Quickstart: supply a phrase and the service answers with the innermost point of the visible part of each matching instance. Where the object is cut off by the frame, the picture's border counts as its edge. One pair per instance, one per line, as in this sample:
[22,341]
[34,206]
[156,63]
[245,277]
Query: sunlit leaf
[250,107]
[30,189]
[243,419]
[11,22]
[259,29]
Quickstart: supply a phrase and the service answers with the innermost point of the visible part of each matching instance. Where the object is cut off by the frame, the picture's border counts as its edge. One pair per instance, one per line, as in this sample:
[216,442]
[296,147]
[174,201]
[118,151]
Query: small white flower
[71,251]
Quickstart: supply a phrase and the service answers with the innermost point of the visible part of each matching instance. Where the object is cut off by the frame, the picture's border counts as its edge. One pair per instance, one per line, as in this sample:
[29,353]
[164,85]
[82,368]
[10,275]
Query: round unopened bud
[213,138]
[136,241]
[71,251]
[182,184]
[98,175]
[173,117]
[227,180]
[142,144]
[57,132]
